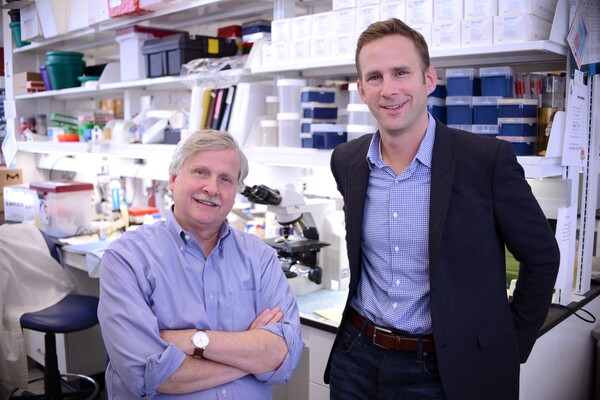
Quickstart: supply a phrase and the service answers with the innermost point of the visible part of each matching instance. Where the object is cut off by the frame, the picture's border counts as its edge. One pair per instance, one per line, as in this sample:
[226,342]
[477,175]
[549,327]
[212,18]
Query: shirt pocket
[238,310]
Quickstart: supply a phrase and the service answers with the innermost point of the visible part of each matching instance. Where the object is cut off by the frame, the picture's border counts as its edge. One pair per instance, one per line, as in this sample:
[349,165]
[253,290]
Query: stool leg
[52,384]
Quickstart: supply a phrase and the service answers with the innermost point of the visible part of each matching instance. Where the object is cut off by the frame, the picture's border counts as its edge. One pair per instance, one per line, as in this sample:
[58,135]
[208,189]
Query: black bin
[166,55]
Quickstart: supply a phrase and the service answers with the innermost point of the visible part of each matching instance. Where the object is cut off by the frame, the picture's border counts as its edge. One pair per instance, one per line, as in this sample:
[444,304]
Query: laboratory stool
[73,313]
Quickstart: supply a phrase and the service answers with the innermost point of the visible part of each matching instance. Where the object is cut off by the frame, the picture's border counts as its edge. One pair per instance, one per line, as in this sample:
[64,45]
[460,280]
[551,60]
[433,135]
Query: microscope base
[301,285]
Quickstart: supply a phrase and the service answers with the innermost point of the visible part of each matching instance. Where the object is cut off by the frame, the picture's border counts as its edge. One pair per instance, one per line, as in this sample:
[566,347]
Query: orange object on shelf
[68,137]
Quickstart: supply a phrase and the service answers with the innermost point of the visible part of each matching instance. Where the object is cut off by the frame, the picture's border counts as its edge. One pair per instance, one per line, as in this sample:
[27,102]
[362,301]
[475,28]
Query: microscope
[298,245]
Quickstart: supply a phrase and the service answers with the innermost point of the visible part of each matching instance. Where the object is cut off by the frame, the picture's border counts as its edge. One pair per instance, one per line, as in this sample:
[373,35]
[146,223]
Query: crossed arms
[228,357]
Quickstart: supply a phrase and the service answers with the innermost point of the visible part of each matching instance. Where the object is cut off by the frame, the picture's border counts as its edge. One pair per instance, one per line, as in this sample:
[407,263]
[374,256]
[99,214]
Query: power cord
[572,311]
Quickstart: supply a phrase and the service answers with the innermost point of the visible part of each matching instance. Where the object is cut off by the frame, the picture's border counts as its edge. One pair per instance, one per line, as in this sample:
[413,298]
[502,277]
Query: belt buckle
[382,330]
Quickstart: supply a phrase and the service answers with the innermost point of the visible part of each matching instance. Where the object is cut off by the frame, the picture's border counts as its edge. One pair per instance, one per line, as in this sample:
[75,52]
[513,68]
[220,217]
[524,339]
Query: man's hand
[267,317]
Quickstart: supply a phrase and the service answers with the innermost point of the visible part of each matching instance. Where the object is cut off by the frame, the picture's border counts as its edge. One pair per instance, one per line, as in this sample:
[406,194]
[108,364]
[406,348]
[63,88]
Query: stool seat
[73,313]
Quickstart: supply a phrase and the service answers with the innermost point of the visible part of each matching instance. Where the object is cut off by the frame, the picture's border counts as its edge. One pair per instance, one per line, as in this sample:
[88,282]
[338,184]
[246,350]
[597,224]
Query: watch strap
[198,352]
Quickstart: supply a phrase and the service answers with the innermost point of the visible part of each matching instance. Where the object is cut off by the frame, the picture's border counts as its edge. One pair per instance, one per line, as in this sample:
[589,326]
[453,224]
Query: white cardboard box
[419,12]
[97,11]
[30,23]
[446,34]
[301,27]
[53,16]
[542,8]
[344,21]
[447,10]
[281,30]
[520,28]
[480,8]
[365,16]
[322,24]
[477,32]
[20,203]
[393,9]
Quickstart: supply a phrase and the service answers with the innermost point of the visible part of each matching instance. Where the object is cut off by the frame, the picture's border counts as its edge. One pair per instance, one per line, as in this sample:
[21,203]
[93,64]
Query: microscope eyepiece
[266,195]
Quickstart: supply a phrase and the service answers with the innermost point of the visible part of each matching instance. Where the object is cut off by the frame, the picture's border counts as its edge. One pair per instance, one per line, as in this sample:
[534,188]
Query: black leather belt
[386,339]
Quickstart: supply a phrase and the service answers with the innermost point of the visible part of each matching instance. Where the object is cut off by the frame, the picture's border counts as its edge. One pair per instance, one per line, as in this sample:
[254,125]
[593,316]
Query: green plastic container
[64,67]
[16,34]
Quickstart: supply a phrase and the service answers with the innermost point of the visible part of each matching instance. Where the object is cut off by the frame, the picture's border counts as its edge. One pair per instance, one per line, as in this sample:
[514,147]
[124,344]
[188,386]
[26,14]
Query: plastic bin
[166,55]
[440,90]
[359,114]
[437,108]
[15,27]
[289,95]
[305,123]
[462,127]
[517,126]
[319,110]
[459,110]
[497,81]
[356,131]
[485,130]
[131,40]
[66,209]
[463,82]
[288,128]
[485,110]
[64,67]
[317,94]
[517,108]
[523,145]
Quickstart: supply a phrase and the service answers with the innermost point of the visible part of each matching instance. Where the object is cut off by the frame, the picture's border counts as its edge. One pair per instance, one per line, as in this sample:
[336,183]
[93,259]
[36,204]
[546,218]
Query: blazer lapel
[442,177]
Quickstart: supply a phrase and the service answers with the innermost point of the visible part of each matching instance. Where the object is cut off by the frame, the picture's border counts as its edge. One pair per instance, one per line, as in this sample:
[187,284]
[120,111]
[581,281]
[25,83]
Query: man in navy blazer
[429,212]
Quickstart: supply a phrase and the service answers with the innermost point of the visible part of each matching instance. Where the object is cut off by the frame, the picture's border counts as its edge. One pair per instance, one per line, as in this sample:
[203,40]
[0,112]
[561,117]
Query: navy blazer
[480,202]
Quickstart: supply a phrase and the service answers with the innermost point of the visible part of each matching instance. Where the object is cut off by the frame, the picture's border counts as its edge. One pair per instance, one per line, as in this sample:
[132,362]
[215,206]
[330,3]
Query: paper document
[333,314]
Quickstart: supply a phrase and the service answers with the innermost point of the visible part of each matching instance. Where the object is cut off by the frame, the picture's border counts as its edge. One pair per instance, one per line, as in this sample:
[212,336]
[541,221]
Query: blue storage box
[305,123]
[437,108]
[463,82]
[328,140]
[485,130]
[459,110]
[497,81]
[325,136]
[523,145]
[306,140]
[319,110]
[440,90]
[317,94]
[485,110]
[517,108]
[517,126]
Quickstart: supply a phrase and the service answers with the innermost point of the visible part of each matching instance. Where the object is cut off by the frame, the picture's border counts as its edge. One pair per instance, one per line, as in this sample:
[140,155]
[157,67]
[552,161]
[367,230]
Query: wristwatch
[200,340]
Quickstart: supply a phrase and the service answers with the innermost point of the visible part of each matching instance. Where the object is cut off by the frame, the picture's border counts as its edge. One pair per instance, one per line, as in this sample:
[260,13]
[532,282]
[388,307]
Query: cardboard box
[20,81]
[9,176]
[20,203]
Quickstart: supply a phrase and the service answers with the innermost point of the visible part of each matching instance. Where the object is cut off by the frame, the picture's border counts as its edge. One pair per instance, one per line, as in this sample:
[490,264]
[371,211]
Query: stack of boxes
[482,101]
[445,24]
[319,118]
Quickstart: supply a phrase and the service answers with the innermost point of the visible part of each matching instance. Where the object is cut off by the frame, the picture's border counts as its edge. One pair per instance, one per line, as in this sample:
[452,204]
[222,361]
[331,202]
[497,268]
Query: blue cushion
[71,314]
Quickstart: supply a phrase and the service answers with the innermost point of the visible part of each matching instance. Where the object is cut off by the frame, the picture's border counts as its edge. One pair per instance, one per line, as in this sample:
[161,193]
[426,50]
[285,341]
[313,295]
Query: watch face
[200,339]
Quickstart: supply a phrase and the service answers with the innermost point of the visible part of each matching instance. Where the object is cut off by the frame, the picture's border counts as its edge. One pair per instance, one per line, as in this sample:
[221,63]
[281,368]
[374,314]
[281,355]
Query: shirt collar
[424,154]
[179,234]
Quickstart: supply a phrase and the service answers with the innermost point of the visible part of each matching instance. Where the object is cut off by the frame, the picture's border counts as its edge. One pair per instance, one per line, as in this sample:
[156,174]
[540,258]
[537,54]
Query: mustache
[214,200]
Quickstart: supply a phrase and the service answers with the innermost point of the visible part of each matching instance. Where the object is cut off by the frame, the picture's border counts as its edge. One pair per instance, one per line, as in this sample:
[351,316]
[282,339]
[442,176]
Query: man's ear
[430,76]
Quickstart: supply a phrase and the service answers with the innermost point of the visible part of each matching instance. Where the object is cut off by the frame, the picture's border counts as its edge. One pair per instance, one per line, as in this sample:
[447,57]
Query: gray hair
[207,140]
